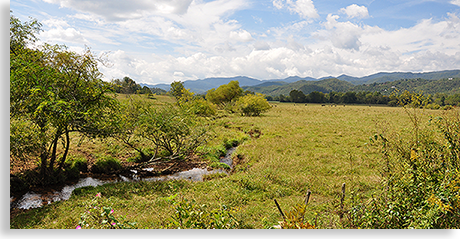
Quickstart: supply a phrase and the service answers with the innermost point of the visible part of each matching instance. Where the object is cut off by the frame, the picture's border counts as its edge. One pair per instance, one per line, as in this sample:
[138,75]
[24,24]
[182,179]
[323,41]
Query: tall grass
[282,154]
[421,186]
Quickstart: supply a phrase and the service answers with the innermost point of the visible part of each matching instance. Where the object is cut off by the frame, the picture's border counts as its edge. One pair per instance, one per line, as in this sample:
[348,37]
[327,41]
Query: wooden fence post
[341,201]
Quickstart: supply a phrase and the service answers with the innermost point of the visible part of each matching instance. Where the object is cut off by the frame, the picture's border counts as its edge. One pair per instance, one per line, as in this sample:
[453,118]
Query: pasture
[287,151]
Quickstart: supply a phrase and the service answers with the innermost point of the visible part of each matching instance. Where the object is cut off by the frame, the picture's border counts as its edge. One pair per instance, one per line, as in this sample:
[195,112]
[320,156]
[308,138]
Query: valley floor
[289,150]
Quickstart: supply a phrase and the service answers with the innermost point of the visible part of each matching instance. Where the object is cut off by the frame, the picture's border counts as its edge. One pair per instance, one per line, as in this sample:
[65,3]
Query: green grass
[298,148]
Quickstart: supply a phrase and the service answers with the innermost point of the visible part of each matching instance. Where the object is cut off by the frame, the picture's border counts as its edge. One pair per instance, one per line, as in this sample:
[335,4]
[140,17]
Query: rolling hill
[326,84]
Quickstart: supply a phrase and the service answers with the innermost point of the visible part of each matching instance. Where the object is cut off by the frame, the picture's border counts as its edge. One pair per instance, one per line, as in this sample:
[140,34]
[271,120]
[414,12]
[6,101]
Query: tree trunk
[53,152]
[67,146]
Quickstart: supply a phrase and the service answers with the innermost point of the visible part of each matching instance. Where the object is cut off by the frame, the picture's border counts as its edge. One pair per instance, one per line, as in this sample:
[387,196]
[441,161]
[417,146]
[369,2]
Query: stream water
[34,200]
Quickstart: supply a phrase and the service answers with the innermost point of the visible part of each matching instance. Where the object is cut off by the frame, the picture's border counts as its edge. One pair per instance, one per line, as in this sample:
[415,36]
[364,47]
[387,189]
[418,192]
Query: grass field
[293,148]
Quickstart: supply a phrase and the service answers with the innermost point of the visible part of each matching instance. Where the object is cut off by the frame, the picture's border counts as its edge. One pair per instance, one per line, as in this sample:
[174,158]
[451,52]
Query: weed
[98,215]
[188,215]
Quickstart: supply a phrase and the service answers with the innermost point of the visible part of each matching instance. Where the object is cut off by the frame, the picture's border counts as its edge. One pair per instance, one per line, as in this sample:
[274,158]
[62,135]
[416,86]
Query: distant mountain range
[323,84]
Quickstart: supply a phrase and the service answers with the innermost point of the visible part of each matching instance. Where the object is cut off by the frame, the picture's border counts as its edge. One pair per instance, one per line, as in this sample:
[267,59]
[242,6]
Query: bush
[432,106]
[252,105]
[174,129]
[106,165]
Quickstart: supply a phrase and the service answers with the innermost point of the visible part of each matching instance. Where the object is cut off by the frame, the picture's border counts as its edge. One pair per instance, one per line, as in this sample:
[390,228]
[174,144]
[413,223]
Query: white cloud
[355,11]
[203,40]
[61,31]
[455,2]
[278,4]
[241,35]
[117,10]
[305,8]
[344,35]
[341,48]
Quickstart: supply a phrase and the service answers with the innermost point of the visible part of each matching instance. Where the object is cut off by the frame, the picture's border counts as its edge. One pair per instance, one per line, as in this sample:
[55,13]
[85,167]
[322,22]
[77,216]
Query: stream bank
[42,196]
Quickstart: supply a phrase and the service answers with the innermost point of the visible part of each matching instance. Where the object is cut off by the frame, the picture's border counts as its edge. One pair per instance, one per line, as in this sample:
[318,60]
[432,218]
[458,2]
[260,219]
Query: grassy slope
[301,147]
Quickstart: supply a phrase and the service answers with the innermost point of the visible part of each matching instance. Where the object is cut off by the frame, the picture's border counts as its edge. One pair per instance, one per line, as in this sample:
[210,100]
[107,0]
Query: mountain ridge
[202,85]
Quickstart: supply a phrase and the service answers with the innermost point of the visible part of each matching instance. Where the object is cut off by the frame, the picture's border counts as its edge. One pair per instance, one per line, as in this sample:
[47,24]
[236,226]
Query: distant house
[451,78]
[393,87]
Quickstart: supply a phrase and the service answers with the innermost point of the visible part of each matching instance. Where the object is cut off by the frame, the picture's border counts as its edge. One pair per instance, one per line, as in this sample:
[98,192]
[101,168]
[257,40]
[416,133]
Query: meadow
[282,154]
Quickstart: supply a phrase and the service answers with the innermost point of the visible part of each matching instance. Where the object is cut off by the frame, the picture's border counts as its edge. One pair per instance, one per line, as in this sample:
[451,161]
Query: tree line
[435,101]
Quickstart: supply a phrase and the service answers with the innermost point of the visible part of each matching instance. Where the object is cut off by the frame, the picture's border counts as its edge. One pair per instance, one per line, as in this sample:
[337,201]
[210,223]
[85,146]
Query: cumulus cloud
[61,31]
[355,11]
[344,35]
[241,35]
[202,40]
[342,47]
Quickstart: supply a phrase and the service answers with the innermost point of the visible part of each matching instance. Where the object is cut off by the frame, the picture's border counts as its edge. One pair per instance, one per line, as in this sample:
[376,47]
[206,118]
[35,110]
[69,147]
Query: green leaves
[252,105]
[57,91]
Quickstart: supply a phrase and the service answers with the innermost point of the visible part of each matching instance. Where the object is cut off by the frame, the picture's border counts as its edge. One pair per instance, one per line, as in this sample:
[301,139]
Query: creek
[33,199]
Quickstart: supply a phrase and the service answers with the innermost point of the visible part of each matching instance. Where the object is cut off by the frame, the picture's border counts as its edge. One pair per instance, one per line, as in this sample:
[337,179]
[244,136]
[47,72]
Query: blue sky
[170,40]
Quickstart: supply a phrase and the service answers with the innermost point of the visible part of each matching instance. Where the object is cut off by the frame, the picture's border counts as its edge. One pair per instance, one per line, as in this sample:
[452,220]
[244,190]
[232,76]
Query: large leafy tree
[224,94]
[57,92]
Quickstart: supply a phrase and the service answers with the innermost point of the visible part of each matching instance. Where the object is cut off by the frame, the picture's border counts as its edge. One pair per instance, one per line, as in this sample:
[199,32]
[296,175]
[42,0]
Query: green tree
[58,92]
[177,89]
[316,97]
[252,105]
[349,97]
[297,96]
[224,94]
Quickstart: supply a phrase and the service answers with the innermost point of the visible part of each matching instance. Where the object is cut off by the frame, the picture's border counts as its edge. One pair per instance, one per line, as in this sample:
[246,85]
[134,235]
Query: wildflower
[113,223]
[98,195]
[78,227]
[111,211]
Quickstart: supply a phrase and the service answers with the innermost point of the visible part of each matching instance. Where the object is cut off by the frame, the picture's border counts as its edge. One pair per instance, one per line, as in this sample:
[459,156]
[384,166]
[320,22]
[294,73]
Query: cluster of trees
[232,98]
[128,86]
[350,97]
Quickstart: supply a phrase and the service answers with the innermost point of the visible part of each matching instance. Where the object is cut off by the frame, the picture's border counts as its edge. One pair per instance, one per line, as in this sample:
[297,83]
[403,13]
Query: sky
[161,41]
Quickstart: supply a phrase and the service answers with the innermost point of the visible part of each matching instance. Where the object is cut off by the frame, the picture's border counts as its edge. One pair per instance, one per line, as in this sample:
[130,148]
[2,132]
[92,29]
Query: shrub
[106,165]
[174,129]
[252,105]
[432,106]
